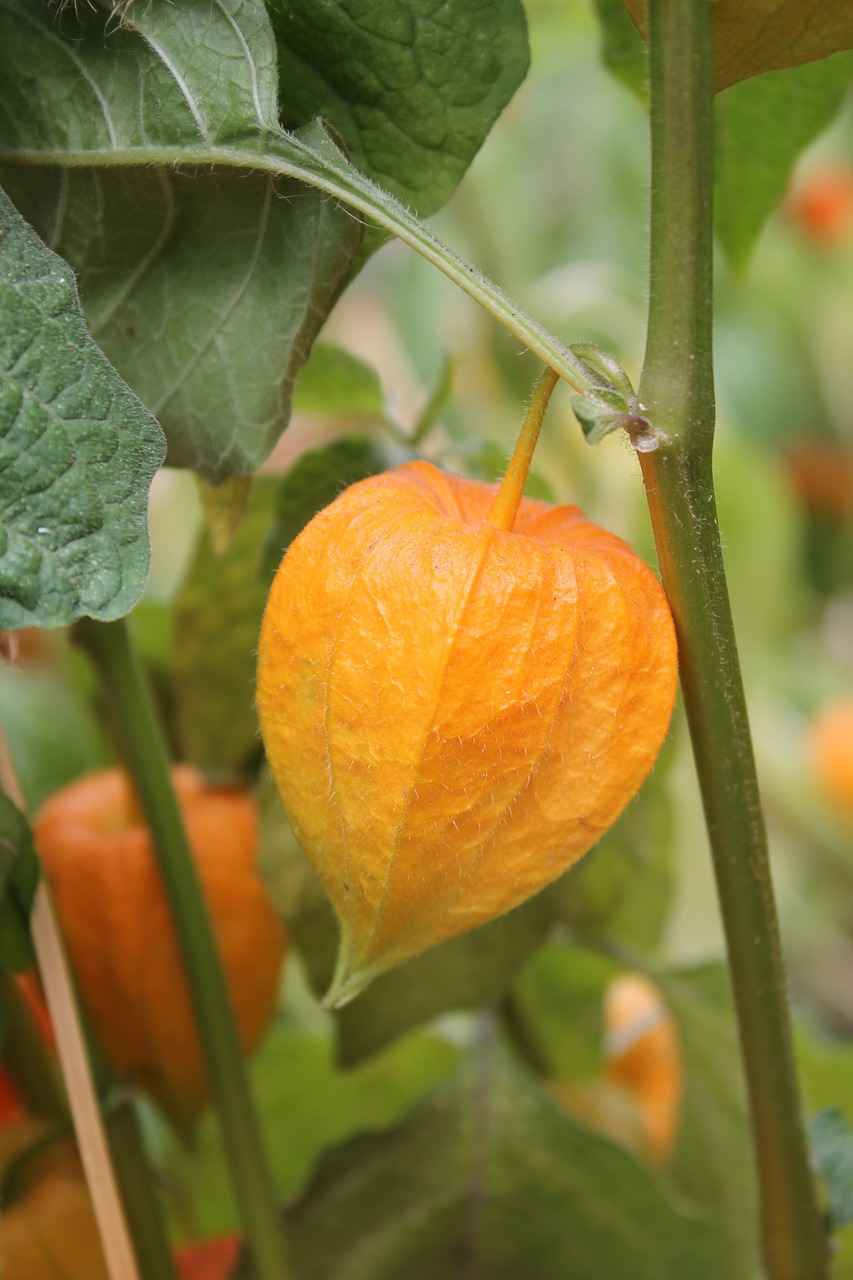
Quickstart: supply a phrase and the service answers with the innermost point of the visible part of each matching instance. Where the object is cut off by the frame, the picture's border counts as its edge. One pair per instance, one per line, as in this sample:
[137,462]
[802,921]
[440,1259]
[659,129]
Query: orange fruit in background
[116,921]
[208,1259]
[830,748]
[49,1232]
[454,712]
[821,205]
[637,1099]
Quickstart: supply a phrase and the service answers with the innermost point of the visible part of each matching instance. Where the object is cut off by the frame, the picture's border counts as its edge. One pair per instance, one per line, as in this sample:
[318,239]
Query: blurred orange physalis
[98,857]
[49,1230]
[209,1259]
[459,691]
[637,1098]
[830,747]
[821,205]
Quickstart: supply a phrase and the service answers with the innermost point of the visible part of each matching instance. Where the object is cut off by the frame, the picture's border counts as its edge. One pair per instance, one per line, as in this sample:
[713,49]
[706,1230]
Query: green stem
[136,1183]
[677,392]
[144,747]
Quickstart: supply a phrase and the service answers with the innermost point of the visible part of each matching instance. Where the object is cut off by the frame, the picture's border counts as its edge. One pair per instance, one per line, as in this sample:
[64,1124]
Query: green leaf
[761,126]
[19,875]
[832,1144]
[470,972]
[754,36]
[208,299]
[558,1006]
[336,383]
[623,888]
[217,620]
[713,1161]
[622,49]
[317,478]
[188,313]
[144,96]
[77,451]
[305,1105]
[489,1179]
[50,724]
[411,88]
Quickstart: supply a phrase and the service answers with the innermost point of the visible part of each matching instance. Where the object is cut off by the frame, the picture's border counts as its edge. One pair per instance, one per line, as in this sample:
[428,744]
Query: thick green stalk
[677,393]
[144,746]
[139,1196]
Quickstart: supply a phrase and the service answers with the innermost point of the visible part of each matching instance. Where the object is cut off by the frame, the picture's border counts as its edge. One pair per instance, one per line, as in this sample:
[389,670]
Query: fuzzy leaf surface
[753,36]
[411,87]
[180,97]
[208,299]
[489,1181]
[77,451]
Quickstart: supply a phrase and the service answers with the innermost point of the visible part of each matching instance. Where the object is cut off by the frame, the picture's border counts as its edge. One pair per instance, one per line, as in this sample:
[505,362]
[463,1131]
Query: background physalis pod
[454,712]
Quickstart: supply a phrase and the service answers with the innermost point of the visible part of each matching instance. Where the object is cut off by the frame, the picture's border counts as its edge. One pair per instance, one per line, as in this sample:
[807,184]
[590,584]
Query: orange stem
[508,497]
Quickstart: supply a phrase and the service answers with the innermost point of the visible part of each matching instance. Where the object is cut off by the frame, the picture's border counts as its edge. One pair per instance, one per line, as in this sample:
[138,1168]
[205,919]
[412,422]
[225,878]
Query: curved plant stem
[677,392]
[144,747]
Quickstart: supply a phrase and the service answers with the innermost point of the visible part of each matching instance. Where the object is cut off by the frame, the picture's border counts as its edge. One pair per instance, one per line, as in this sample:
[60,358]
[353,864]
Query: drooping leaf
[753,36]
[410,87]
[832,1144]
[207,300]
[19,875]
[761,126]
[158,91]
[77,451]
[489,1179]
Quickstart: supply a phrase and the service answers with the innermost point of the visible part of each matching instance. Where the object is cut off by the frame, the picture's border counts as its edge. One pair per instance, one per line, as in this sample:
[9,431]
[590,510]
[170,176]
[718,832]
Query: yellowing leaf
[752,36]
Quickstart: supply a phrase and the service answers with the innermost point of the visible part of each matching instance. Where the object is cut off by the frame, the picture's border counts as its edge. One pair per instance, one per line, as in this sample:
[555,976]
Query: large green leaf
[489,1180]
[558,1002]
[305,1106]
[411,88]
[77,451]
[753,36]
[19,874]
[209,296]
[761,126]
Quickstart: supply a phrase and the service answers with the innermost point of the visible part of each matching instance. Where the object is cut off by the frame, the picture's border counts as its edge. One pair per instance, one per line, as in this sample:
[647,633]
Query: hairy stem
[677,392]
[144,747]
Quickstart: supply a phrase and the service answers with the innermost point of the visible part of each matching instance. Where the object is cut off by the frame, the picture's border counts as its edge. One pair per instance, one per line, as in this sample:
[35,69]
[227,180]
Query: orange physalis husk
[454,711]
[115,917]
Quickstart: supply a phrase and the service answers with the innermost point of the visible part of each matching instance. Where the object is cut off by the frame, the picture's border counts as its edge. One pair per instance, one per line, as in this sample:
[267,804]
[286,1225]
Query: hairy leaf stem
[144,747]
[677,393]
